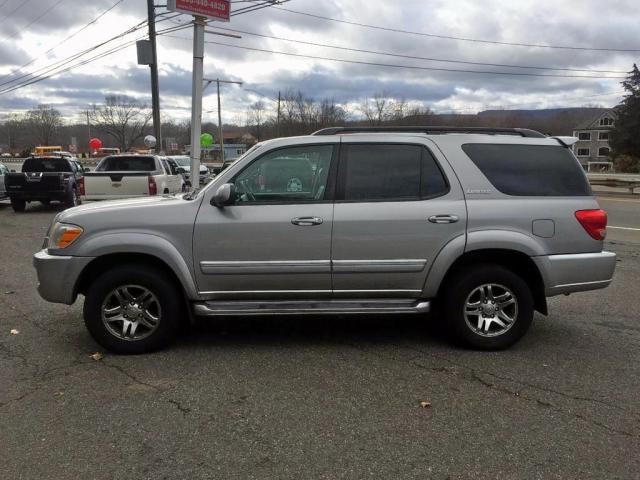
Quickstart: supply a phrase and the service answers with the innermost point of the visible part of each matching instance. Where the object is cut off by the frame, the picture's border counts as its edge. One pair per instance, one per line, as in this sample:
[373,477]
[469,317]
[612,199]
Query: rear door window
[389,172]
[530,170]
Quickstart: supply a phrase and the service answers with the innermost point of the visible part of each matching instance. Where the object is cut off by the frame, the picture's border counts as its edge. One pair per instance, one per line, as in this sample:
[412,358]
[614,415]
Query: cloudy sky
[39,38]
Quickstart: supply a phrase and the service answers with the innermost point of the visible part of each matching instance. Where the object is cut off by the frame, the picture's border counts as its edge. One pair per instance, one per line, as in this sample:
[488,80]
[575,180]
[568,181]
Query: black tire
[18,205]
[468,282]
[72,199]
[150,278]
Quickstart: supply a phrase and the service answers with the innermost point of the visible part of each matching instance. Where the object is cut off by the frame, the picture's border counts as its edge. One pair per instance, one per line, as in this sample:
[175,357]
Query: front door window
[288,175]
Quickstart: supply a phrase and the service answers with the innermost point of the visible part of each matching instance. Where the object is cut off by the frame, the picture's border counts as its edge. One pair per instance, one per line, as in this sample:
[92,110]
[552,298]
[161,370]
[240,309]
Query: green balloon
[206,140]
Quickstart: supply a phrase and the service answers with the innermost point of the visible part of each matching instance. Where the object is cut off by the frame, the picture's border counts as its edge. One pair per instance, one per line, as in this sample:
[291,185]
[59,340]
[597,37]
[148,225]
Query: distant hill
[546,113]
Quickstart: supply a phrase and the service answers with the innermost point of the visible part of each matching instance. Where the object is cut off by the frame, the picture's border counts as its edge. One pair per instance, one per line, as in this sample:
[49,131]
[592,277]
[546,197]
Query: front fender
[147,244]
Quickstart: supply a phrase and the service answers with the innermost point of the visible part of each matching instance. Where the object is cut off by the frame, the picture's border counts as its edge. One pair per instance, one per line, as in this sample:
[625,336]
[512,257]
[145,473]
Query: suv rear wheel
[488,306]
[72,198]
[132,309]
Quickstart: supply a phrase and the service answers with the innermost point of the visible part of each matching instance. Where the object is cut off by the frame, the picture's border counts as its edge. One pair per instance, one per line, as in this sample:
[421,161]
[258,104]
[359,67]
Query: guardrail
[619,180]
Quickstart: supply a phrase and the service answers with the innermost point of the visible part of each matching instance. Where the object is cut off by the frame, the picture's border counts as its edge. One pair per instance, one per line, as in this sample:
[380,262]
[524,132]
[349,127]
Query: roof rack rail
[523,132]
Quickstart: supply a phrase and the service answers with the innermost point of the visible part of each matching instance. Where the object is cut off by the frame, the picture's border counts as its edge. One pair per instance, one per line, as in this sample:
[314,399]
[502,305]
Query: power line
[48,68]
[462,39]
[83,62]
[65,39]
[20,5]
[337,47]
[37,18]
[410,67]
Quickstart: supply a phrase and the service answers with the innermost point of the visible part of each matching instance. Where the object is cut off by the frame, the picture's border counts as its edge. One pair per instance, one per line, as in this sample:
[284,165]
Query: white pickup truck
[124,176]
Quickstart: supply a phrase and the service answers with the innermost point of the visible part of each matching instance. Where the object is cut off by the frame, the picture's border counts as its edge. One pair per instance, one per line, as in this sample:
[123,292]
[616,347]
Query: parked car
[125,176]
[481,224]
[44,179]
[3,191]
[184,162]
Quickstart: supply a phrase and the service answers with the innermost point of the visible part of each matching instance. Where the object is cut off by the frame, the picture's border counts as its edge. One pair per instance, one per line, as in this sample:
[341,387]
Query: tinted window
[286,175]
[390,172]
[127,164]
[46,164]
[529,170]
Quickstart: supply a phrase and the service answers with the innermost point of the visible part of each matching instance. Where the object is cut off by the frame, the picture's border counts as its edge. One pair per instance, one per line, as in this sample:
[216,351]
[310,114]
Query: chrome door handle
[307,221]
[443,218]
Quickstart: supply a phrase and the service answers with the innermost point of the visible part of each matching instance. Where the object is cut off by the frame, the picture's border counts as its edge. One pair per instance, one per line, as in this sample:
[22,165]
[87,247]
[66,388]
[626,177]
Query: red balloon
[95,143]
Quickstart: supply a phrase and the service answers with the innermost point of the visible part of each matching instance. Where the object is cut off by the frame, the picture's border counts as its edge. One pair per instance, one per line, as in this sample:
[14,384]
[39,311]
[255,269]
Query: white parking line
[625,228]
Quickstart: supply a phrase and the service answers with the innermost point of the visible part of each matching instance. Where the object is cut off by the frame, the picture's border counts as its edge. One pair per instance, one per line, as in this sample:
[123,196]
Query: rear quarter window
[127,164]
[529,170]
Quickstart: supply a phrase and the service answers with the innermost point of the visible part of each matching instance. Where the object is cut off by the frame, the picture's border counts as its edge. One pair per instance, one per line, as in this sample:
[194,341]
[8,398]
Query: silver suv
[482,224]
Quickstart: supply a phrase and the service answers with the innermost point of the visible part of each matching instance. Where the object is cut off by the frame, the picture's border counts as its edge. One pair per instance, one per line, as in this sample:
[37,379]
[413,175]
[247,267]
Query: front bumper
[563,274]
[57,276]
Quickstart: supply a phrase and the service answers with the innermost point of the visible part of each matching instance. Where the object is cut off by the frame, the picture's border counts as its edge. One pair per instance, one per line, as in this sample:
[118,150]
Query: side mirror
[13,171]
[181,171]
[86,169]
[225,195]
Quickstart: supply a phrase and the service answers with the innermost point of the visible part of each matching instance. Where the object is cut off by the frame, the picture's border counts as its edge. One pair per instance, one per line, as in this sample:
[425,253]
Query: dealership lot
[321,397]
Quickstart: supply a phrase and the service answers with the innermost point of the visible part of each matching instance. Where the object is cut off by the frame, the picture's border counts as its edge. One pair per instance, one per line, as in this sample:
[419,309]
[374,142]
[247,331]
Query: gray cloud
[526,21]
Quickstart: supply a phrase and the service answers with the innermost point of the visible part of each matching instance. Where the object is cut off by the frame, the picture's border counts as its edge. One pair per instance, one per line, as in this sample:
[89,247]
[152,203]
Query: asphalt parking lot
[321,397]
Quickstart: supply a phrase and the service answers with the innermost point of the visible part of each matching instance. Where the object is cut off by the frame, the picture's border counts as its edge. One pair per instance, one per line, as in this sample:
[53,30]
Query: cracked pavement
[317,397]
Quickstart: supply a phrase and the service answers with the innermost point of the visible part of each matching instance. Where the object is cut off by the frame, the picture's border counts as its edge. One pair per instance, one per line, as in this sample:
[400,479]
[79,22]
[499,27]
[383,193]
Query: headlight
[63,234]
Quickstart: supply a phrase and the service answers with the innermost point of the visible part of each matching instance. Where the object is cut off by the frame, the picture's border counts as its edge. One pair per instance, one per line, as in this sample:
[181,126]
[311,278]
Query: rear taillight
[81,185]
[153,188]
[594,222]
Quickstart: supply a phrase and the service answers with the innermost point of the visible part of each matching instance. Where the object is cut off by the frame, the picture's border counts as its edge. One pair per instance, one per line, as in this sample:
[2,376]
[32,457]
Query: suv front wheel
[132,309]
[488,306]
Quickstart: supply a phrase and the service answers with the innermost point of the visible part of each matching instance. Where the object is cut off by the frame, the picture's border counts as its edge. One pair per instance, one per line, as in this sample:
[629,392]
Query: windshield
[198,191]
[182,161]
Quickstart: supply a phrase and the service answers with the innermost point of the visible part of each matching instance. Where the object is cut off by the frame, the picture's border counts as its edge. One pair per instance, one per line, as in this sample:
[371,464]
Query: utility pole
[155,89]
[220,132]
[196,98]
[278,121]
[88,125]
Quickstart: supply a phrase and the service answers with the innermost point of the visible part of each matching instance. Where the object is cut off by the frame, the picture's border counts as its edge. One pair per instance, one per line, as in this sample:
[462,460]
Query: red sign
[214,9]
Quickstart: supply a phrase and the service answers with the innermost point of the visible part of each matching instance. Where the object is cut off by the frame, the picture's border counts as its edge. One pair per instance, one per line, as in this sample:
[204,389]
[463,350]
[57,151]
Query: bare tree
[378,109]
[13,130]
[256,118]
[122,118]
[43,123]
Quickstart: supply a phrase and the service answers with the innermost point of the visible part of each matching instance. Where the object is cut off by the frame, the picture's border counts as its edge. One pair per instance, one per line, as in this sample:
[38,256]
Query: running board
[306,307]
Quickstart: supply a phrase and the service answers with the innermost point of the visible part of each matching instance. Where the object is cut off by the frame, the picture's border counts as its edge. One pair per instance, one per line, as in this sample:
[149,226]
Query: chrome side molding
[308,307]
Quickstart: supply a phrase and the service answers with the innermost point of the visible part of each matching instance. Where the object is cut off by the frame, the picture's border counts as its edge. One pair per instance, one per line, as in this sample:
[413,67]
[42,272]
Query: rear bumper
[44,195]
[57,276]
[579,272]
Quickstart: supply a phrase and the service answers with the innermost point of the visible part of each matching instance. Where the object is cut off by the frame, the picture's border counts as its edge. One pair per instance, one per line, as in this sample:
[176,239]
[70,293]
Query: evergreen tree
[625,137]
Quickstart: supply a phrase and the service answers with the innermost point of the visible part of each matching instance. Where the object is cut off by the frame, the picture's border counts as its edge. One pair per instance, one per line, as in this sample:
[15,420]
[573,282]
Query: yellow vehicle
[103,152]
[47,150]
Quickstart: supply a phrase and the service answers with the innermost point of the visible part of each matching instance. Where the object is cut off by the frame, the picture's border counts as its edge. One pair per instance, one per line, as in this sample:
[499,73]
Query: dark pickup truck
[44,179]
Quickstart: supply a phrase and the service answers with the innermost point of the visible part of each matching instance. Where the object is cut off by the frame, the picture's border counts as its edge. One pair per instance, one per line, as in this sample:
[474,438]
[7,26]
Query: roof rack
[522,132]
